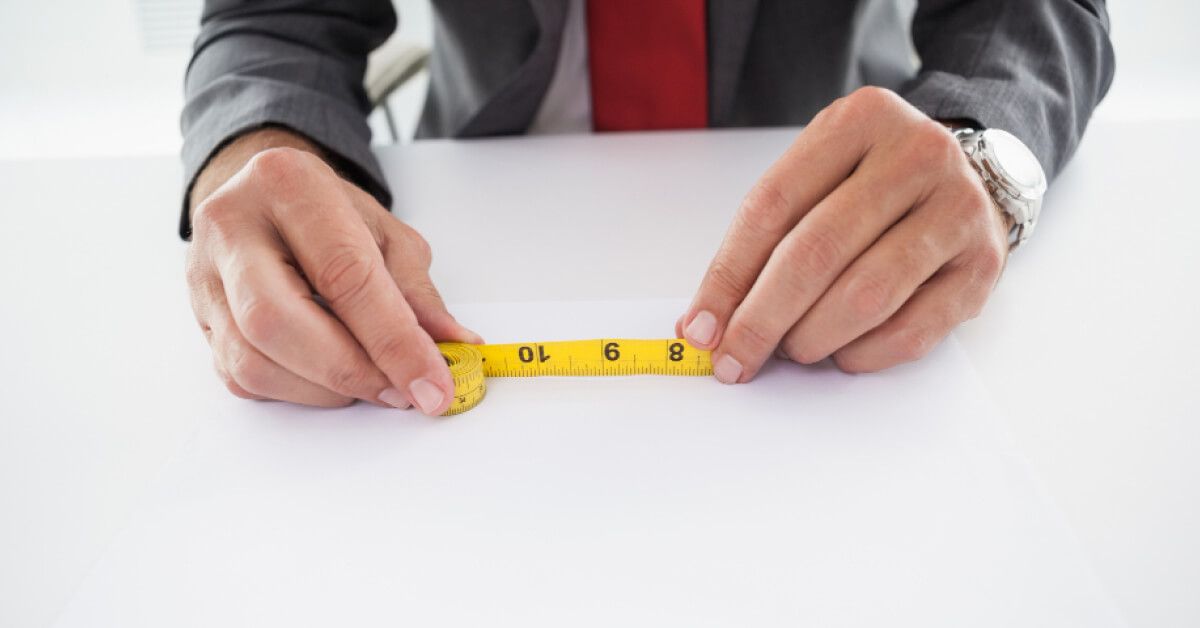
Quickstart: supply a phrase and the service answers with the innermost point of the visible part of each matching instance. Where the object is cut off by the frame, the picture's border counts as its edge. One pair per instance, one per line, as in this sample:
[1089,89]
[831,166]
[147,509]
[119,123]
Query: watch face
[1016,162]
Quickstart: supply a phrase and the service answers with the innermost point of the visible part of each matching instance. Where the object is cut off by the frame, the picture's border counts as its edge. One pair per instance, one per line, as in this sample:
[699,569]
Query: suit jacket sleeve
[1035,68]
[292,63]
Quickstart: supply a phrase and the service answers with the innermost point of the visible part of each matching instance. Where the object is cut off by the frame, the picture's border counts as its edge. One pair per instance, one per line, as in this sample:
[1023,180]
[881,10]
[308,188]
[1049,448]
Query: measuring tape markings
[470,365]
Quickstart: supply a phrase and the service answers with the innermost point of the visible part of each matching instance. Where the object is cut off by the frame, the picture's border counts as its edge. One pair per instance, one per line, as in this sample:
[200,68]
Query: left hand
[869,240]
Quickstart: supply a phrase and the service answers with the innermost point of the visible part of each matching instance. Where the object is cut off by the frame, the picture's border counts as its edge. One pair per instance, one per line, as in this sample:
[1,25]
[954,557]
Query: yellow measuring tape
[471,365]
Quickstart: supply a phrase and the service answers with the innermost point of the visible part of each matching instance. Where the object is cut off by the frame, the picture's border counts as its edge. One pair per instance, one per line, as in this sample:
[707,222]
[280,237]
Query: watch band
[1017,200]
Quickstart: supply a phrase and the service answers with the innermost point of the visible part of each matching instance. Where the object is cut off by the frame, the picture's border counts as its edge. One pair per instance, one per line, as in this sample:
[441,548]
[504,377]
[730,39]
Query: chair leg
[386,105]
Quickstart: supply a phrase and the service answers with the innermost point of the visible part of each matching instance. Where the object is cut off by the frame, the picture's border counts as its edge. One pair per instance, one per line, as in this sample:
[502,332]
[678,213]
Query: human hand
[272,225]
[869,240]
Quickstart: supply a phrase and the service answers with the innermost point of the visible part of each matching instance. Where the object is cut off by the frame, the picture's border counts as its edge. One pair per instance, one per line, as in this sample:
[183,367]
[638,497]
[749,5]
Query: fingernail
[702,328]
[427,395]
[727,369]
[395,398]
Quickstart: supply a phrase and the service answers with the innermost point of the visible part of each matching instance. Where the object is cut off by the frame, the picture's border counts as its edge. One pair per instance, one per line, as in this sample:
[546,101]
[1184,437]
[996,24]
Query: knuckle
[391,350]
[983,223]
[935,143]
[843,113]
[750,338]
[974,201]
[280,167]
[765,208]
[817,252]
[259,320]
[787,349]
[345,274]
[349,380]
[419,249]
[832,115]
[345,402]
[213,217]
[199,274]
[193,270]
[248,370]
[849,363]
[973,309]
[806,357]
[987,266]
[914,342]
[923,246]
[801,351]
[983,271]
[864,106]
[237,390]
[727,280]
[871,99]
[423,293]
[230,385]
[969,211]
[405,247]
[869,297]
[202,298]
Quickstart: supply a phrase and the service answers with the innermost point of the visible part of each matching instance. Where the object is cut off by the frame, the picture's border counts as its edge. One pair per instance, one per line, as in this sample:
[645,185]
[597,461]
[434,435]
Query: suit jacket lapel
[514,106]
[730,23]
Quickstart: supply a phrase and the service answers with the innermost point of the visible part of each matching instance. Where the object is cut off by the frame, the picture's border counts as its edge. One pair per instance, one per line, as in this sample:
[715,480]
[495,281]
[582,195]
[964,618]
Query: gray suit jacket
[1036,68]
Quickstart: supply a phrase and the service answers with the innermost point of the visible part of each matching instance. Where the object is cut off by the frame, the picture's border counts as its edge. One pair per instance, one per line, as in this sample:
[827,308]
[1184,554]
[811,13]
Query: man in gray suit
[883,226]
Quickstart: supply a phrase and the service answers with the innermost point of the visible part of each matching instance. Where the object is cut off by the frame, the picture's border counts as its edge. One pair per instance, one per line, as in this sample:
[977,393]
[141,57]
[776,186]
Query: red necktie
[648,61]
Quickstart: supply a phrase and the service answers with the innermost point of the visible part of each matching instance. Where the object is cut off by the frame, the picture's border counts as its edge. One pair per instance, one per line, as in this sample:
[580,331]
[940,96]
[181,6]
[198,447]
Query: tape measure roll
[466,369]
[471,365]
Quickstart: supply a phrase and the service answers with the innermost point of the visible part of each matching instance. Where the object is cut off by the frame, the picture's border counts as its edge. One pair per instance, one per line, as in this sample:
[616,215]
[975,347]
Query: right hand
[274,225]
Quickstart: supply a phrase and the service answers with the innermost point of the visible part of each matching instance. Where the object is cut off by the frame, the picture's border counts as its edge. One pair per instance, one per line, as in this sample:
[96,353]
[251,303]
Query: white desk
[1086,345]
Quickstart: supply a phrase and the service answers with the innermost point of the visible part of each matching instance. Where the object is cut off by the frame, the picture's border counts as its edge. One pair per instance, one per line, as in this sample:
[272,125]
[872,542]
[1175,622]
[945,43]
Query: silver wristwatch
[1011,174]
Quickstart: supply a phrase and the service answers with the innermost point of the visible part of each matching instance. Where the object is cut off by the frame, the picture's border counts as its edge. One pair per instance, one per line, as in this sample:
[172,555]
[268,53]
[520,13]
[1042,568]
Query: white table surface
[1086,346]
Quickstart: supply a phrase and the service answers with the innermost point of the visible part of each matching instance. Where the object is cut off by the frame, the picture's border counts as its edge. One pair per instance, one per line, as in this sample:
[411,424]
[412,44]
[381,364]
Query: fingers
[810,258]
[407,257]
[249,374]
[273,309]
[957,292]
[344,264]
[802,225]
[953,295]
[285,227]
[822,156]
[826,262]
[879,282]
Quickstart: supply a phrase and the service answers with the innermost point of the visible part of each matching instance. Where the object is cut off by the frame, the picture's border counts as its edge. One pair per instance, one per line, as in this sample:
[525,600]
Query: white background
[76,79]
